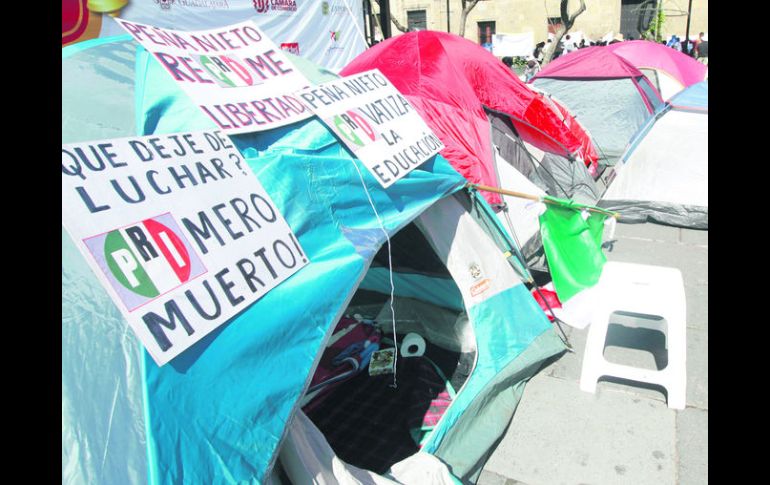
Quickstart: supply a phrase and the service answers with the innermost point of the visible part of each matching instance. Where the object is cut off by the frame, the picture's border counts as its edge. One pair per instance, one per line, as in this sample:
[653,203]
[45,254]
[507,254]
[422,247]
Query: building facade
[601,17]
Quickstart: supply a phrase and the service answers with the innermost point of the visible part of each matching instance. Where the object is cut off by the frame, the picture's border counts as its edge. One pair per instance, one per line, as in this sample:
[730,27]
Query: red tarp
[449,79]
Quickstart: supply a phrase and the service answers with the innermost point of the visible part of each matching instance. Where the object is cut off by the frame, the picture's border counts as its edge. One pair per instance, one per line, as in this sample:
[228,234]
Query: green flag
[573,245]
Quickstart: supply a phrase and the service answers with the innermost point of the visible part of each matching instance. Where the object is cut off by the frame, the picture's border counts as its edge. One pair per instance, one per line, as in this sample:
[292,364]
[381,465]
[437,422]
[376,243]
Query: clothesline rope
[390,271]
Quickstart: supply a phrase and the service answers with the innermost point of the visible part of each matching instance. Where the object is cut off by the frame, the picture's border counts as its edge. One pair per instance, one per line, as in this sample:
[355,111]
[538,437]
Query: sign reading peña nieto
[178,230]
[376,122]
[236,75]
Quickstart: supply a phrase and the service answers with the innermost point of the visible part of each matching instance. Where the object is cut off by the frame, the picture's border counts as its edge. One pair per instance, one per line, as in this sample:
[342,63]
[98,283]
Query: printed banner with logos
[178,230]
[235,74]
[376,122]
[329,33]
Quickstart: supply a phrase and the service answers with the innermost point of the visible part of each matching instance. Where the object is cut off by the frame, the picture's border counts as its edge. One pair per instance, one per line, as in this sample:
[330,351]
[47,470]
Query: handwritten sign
[376,122]
[178,230]
[235,74]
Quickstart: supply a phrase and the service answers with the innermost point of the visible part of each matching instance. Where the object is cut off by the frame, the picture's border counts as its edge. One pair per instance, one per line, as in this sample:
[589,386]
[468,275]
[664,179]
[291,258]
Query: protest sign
[375,122]
[178,230]
[235,74]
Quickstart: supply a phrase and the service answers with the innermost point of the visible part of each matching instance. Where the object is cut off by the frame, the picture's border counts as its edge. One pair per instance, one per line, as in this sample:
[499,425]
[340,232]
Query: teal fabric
[217,413]
[504,326]
[259,363]
[487,417]
[695,96]
[439,291]
[78,47]
[103,432]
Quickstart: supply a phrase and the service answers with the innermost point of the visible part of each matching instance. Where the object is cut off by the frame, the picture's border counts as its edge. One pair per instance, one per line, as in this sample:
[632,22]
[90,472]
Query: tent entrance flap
[368,422]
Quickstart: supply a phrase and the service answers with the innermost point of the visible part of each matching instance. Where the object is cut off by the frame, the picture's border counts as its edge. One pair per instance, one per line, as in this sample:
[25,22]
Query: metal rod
[687,32]
[447,17]
[385,18]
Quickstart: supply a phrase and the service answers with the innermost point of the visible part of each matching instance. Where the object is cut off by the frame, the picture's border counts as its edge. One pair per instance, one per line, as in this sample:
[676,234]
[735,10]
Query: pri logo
[145,260]
[292,47]
[263,6]
[335,35]
[352,127]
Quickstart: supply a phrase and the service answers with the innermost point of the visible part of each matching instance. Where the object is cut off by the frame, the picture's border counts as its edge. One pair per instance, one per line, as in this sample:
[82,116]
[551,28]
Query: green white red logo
[351,126]
[145,260]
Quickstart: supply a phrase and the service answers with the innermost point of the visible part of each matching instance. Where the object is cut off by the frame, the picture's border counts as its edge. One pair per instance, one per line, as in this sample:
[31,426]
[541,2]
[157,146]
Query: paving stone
[697,306]
[561,435]
[697,369]
[490,478]
[655,232]
[692,445]
[693,236]
[692,261]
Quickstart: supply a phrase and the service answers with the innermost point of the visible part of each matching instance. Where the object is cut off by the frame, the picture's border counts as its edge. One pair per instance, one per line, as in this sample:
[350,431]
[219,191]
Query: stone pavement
[625,433]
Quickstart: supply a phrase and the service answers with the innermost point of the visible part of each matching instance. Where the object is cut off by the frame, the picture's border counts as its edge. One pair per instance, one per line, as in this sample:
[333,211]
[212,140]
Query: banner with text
[329,33]
[375,122]
[179,231]
[237,76]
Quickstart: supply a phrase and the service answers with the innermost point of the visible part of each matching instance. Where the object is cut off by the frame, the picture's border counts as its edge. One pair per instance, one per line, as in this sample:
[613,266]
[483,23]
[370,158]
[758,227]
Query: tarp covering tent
[221,411]
[608,95]
[663,176]
[668,70]
[497,132]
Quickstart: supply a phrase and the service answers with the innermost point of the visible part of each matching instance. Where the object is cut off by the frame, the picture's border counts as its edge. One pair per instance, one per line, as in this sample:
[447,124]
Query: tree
[567,21]
[467,7]
[398,24]
[393,20]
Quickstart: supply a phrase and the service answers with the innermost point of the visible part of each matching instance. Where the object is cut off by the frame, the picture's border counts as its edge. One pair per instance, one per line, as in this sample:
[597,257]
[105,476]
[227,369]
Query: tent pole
[536,198]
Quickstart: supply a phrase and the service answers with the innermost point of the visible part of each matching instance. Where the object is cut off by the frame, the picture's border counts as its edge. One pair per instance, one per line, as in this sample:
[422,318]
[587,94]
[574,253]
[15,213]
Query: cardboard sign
[375,122]
[178,230]
[236,75]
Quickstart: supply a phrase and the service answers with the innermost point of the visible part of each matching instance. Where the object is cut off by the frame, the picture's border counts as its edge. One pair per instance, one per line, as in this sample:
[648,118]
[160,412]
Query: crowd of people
[697,49]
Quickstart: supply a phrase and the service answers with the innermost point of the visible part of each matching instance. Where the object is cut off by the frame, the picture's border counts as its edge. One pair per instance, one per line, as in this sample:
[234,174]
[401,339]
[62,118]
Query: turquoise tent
[228,409]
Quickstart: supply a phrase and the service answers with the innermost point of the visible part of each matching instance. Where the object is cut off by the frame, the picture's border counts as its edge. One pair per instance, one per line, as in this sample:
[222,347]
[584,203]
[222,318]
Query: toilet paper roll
[413,345]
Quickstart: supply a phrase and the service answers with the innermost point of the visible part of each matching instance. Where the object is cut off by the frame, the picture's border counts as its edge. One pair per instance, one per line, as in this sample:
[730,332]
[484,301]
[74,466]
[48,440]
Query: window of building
[416,20]
[635,17]
[553,24]
[486,31]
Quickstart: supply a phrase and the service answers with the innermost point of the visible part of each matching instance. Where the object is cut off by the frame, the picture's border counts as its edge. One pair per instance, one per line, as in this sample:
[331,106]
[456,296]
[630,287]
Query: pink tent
[651,56]
[451,80]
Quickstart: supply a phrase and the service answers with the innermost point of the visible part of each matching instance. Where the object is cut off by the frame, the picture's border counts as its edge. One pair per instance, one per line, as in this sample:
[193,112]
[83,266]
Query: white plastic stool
[641,290]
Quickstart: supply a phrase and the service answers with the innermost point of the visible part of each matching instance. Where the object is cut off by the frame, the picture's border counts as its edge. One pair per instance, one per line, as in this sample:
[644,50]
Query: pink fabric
[643,53]
[450,79]
[598,62]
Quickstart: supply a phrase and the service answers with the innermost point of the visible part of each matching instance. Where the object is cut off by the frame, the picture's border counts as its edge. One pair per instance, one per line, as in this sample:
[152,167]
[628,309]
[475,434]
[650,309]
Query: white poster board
[513,45]
[375,122]
[178,230]
[235,74]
